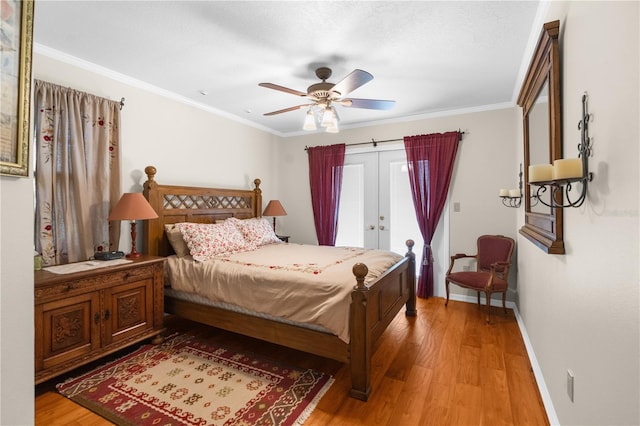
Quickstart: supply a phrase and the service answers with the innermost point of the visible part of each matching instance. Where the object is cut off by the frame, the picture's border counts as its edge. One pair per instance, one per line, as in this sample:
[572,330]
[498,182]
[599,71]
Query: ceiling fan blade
[367,103]
[351,82]
[282,89]
[280,111]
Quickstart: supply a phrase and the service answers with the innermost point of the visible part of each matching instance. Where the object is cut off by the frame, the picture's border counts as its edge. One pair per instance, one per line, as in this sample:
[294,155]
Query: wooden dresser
[83,316]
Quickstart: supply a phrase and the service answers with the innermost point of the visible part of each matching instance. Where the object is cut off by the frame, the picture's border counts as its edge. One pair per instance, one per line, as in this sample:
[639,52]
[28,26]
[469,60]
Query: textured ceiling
[430,57]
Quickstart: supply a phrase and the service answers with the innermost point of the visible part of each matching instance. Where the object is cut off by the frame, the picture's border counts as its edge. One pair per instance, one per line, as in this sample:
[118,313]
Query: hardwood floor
[443,367]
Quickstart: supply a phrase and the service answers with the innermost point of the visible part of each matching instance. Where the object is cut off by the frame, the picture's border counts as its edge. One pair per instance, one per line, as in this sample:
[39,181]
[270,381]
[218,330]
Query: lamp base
[134,254]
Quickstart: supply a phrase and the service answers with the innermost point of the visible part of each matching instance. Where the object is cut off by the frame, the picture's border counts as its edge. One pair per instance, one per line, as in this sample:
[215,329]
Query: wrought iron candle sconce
[513,197]
[564,171]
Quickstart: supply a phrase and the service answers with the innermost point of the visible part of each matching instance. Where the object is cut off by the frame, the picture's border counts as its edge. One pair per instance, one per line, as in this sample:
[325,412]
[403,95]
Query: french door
[376,207]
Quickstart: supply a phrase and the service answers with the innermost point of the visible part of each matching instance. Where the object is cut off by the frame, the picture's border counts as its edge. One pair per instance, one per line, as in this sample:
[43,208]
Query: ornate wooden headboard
[175,204]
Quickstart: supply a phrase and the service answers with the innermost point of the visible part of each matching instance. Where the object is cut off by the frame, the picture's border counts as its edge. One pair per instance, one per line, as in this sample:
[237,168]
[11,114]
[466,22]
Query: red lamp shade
[274,208]
[133,206]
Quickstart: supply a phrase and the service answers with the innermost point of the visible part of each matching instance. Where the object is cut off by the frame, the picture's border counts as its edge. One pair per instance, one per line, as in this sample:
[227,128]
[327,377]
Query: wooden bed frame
[373,306]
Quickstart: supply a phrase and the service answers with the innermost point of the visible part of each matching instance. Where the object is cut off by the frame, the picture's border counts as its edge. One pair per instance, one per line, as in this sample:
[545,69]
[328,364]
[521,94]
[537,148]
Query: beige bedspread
[303,283]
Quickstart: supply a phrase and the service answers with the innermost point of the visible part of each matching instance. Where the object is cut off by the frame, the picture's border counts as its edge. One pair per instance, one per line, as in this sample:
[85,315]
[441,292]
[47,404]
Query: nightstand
[83,316]
[284,238]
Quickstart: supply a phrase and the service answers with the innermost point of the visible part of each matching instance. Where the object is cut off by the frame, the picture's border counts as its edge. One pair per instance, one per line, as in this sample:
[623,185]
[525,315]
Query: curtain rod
[375,142]
[121,103]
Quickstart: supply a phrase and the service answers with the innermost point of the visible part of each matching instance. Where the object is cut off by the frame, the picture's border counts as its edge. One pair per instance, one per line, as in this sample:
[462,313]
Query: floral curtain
[77,173]
[430,159]
[325,178]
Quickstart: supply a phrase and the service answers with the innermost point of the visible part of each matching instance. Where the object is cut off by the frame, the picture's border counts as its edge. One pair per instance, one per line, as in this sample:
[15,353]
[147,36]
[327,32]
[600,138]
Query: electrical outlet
[456,206]
[570,384]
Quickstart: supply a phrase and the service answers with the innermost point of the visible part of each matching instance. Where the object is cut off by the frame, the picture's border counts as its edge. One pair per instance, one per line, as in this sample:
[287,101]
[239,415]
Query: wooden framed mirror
[541,117]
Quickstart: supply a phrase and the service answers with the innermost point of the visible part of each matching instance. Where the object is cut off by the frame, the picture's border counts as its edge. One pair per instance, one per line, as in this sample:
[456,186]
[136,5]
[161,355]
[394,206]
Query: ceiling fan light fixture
[309,121]
[334,118]
[327,118]
[324,95]
[333,128]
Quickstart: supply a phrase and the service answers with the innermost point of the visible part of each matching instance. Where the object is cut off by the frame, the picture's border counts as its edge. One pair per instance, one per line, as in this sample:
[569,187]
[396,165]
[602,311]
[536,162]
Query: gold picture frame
[16,43]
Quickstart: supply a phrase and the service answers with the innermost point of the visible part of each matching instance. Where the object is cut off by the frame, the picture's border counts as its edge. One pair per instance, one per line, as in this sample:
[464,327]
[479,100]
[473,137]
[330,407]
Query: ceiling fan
[324,95]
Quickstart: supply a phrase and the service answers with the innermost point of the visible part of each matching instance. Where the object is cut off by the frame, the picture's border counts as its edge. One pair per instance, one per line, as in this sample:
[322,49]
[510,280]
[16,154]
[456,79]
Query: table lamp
[133,206]
[274,208]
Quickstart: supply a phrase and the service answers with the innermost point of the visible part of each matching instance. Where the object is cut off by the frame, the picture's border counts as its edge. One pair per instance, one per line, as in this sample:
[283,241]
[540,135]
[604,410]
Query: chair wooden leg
[488,306]
[478,293]
[504,303]
[446,286]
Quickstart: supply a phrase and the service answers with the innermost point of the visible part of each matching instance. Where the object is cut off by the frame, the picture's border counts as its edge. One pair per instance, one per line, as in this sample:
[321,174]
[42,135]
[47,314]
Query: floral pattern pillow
[205,241]
[256,231]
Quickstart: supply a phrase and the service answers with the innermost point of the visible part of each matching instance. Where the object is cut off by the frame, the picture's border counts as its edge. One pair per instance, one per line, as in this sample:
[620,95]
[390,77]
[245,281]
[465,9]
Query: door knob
[381,217]
[382,227]
[371,227]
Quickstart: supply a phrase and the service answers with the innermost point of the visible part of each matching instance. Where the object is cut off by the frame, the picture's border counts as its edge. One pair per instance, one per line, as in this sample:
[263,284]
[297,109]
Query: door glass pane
[402,220]
[351,213]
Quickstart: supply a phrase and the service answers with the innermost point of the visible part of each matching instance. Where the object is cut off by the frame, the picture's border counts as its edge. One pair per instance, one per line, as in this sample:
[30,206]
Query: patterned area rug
[189,381]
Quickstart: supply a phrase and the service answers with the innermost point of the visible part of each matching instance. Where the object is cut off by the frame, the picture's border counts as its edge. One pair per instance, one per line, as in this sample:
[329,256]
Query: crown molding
[139,84]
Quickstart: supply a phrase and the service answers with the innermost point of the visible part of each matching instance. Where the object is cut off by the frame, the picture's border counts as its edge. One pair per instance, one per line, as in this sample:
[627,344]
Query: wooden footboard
[373,306]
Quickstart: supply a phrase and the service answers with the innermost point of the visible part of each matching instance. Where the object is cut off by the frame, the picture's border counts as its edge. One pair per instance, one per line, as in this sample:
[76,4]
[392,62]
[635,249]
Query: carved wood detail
[184,201]
[67,329]
[129,309]
[79,286]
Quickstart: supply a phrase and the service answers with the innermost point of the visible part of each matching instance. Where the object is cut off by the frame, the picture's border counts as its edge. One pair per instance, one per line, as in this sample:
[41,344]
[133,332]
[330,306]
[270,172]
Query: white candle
[567,168]
[514,193]
[504,192]
[540,172]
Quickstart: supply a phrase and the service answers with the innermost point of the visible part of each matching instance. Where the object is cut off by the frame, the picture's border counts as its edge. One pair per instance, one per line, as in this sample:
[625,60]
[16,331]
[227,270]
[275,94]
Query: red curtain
[325,178]
[430,160]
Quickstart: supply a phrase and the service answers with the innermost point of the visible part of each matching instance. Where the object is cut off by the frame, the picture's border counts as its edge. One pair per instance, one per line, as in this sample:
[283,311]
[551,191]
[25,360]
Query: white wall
[16,301]
[581,310]
[485,163]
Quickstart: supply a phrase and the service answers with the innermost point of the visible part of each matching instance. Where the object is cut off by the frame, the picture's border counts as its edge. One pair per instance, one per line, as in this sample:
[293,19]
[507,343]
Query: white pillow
[205,240]
[256,231]
[175,239]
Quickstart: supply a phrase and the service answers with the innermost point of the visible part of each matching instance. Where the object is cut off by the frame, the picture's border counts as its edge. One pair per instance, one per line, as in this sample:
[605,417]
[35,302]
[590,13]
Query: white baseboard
[474,299]
[537,371]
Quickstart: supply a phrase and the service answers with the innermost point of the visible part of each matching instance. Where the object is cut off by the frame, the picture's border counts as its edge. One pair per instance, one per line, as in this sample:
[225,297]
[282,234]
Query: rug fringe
[304,416]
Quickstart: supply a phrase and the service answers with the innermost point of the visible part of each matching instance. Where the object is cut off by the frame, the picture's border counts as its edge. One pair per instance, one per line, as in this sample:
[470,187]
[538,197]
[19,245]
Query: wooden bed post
[257,209]
[411,302]
[360,339]
[149,227]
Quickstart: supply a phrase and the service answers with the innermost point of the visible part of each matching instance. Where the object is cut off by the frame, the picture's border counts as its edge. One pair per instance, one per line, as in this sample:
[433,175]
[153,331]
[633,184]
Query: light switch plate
[570,384]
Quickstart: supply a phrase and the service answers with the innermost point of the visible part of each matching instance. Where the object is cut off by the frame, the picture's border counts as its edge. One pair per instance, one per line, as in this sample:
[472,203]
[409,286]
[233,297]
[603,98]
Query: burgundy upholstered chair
[492,269]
